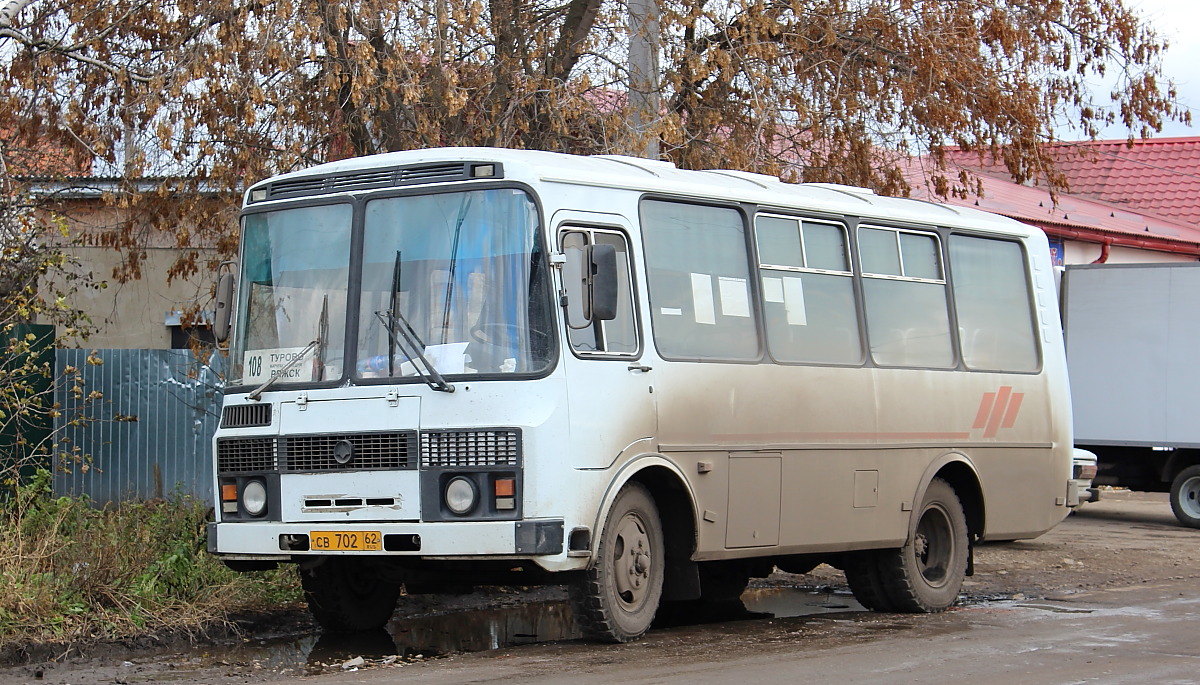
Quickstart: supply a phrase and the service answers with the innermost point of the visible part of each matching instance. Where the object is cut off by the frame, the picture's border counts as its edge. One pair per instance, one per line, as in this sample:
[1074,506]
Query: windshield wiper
[394,321]
[322,336]
[412,347]
[257,392]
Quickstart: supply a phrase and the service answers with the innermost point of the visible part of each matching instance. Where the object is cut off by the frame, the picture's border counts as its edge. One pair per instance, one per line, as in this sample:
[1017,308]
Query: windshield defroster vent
[369,179]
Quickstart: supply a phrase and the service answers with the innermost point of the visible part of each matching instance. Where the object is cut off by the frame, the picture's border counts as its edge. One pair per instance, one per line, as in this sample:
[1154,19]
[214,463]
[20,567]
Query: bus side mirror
[602,282]
[224,307]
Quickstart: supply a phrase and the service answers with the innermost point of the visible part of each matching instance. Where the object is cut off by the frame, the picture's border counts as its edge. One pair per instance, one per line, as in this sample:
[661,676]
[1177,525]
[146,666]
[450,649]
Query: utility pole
[643,76]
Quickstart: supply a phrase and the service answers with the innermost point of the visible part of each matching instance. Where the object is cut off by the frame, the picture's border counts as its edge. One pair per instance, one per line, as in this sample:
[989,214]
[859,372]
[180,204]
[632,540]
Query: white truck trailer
[1133,337]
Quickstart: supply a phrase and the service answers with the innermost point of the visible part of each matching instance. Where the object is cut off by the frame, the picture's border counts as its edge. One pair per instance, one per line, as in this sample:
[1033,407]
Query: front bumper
[265,539]
[1083,470]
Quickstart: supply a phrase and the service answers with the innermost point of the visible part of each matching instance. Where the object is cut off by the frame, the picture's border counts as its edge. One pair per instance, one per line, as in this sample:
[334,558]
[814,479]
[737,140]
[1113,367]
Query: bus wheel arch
[677,509]
[958,471]
[671,493]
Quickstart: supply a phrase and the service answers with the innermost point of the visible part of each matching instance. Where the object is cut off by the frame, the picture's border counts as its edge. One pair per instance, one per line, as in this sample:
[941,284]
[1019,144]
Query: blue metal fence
[150,434]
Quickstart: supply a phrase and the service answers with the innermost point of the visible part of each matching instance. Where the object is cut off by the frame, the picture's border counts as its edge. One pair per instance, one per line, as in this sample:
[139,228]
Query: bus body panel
[775,458]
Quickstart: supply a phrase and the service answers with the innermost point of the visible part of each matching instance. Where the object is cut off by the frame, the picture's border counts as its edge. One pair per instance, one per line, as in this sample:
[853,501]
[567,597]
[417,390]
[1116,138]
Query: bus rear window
[991,298]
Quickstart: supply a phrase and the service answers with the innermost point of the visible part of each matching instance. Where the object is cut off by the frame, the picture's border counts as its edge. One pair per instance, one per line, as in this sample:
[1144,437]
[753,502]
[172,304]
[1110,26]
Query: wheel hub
[933,546]
[1189,497]
[632,560]
[921,546]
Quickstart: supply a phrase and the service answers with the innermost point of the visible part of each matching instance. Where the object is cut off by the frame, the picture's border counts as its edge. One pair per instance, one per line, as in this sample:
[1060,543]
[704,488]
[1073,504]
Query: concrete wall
[131,315]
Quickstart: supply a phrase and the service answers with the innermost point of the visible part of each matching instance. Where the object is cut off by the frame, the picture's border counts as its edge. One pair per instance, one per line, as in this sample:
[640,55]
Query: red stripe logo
[998,410]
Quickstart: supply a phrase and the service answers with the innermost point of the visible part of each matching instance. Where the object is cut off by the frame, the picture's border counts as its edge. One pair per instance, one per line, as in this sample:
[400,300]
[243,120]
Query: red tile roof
[1156,175]
[1073,216]
[35,153]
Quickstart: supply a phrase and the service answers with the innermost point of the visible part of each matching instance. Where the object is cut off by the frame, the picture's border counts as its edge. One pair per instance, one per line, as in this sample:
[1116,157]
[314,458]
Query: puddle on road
[415,638]
[421,637]
[431,635]
[1056,609]
[786,602]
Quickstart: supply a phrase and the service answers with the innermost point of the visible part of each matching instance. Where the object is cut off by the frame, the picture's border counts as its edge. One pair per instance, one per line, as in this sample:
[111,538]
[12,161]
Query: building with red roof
[1124,202]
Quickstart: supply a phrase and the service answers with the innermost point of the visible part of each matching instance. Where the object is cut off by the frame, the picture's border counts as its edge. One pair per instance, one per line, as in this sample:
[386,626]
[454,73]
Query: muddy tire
[865,579]
[615,600]
[1185,496]
[926,574]
[345,595]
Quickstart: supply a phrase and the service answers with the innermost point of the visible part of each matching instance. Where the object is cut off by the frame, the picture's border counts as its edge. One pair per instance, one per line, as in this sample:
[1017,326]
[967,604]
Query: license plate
[345,541]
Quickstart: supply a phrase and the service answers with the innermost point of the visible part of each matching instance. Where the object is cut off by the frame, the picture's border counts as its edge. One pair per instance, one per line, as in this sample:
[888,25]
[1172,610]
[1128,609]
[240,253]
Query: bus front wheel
[346,595]
[617,598]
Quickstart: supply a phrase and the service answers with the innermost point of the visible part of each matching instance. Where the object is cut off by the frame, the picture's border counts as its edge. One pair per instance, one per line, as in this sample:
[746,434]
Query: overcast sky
[1174,20]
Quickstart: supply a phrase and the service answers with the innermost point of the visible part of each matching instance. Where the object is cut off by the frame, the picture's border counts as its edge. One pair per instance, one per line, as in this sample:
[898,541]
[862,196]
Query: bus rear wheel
[926,574]
[1185,496]
[617,598]
[347,595]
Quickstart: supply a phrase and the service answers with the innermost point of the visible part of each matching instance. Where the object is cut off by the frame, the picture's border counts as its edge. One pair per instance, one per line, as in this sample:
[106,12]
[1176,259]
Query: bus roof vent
[387,177]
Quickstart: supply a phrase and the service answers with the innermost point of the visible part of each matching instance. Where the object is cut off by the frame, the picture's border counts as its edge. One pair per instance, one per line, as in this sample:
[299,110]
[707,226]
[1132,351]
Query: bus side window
[904,288]
[992,300]
[808,291]
[699,281]
[618,336]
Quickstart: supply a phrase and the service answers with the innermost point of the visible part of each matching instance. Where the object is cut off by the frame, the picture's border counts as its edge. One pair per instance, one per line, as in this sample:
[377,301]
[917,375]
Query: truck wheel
[617,598]
[1185,496]
[926,574]
[345,595]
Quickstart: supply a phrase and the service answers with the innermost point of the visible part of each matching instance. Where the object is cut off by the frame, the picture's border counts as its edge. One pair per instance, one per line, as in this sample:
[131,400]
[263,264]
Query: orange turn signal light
[228,492]
[505,487]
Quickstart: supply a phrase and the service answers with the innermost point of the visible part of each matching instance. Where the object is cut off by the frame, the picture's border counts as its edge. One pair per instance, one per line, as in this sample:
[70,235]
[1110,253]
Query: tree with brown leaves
[208,96]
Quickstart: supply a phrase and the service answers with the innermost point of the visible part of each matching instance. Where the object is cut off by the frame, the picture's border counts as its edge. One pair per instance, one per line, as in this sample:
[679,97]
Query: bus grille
[453,448]
[238,455]
[246,415]
[395,450]
[368,451]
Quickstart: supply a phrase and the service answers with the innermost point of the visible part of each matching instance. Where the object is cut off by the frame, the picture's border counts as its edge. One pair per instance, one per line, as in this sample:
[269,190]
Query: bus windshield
[465,274]
[295,272]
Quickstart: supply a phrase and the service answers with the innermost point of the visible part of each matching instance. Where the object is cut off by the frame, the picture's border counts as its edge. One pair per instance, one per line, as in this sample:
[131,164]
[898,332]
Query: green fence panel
[25,435]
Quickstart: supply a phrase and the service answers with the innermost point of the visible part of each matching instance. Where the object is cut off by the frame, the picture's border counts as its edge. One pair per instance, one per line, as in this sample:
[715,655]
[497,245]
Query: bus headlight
[254,498]
[460,495]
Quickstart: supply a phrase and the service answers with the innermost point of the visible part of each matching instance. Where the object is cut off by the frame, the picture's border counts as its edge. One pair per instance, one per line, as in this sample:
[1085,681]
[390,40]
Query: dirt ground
[1127,537]
[1126,540]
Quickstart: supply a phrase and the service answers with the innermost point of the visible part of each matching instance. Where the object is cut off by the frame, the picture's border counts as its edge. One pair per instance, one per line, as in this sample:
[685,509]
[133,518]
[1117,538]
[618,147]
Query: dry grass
[71,571]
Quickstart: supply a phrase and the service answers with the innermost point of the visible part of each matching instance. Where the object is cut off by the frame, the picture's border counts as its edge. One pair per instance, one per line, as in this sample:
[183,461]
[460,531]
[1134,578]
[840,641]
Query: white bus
[466,366]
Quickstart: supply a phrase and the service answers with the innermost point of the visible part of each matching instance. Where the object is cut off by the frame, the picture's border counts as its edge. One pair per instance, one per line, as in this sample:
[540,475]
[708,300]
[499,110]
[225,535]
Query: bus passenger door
[610,400]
